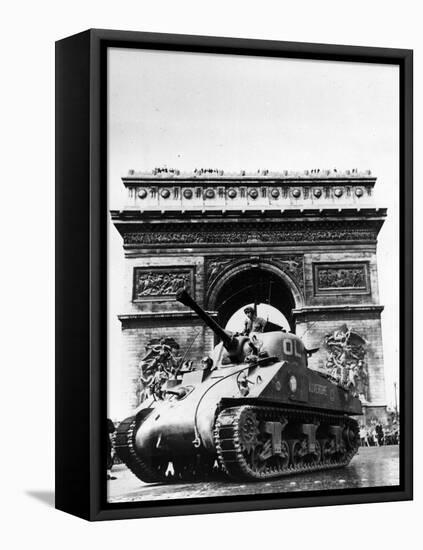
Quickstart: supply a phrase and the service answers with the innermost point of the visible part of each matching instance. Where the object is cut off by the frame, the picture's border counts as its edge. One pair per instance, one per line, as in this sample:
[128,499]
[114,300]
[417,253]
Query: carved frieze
[154,283]
[341,278]
[250,233]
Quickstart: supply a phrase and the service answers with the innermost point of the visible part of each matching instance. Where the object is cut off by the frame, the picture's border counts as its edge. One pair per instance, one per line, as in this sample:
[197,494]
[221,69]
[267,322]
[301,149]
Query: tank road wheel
[298,450]
[316,457]
[325,450]
[257,446]
[249,443]
[256,462]
[284,456]
[263,462]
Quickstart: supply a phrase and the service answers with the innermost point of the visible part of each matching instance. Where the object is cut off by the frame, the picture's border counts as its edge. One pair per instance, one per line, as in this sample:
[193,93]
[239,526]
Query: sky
[188,110]
[267,312]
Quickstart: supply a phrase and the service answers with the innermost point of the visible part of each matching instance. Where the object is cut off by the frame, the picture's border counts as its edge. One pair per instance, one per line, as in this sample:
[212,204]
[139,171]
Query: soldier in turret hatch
[253,323]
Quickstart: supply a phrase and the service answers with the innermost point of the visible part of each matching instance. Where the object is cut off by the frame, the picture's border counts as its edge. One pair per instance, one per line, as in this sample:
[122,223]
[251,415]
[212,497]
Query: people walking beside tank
[110,450]
[373,437]
[379,434]
[364,437]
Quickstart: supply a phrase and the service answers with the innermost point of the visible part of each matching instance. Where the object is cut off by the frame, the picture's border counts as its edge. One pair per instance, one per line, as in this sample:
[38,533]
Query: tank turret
[266,347]
[233,344]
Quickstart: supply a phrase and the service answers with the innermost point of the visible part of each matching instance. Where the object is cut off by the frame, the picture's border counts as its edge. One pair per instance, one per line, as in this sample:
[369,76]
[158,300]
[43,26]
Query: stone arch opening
[263,283]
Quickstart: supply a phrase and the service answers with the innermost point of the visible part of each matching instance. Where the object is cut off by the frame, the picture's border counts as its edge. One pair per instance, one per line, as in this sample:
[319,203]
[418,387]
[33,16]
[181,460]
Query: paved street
[372,467]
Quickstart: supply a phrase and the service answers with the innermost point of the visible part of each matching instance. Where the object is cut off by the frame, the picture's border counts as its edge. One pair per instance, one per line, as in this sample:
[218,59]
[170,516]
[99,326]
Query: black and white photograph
[215,204]
[253,272]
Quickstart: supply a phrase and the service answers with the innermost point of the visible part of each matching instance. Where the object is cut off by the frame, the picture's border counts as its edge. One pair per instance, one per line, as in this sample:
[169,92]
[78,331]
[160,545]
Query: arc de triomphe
[303,242]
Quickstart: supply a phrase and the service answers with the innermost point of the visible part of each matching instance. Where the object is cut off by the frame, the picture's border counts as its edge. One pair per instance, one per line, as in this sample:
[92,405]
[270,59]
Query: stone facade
[309,239]
[187,330]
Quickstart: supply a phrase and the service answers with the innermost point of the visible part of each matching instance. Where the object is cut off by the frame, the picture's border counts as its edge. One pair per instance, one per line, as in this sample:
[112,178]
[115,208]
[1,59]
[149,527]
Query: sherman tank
[254,411]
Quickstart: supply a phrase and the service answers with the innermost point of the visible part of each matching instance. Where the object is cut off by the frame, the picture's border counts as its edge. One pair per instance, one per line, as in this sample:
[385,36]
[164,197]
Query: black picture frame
[81,275]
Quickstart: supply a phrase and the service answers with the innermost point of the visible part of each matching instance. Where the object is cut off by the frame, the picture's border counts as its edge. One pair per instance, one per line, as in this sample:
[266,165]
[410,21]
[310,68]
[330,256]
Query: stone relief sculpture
[345,361]
[160,283]
[341,277]
[160,362]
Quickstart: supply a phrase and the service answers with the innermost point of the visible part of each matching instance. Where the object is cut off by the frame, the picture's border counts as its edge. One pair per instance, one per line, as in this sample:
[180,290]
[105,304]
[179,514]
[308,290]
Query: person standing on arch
[253,323]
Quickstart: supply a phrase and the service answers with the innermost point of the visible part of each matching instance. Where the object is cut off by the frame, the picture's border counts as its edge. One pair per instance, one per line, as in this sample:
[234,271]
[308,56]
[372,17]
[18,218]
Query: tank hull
[189,430]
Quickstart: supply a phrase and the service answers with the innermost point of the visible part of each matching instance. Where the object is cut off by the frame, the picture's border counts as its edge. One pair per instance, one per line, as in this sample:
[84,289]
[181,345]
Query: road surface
[372,467]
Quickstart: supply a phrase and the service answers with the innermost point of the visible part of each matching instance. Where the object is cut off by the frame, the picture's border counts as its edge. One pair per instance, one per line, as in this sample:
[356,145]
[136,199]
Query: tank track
[124,446]
[232,456]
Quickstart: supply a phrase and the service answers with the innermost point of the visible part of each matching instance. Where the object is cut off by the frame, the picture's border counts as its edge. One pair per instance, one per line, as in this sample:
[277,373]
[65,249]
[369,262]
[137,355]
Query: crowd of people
[376,434]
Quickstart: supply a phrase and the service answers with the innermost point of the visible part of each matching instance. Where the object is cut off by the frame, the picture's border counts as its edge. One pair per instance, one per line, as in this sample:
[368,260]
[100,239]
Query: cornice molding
[216,215]
[319,312]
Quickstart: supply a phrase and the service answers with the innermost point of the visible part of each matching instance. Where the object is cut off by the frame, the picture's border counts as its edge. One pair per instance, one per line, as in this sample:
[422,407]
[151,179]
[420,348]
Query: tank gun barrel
[227,338]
